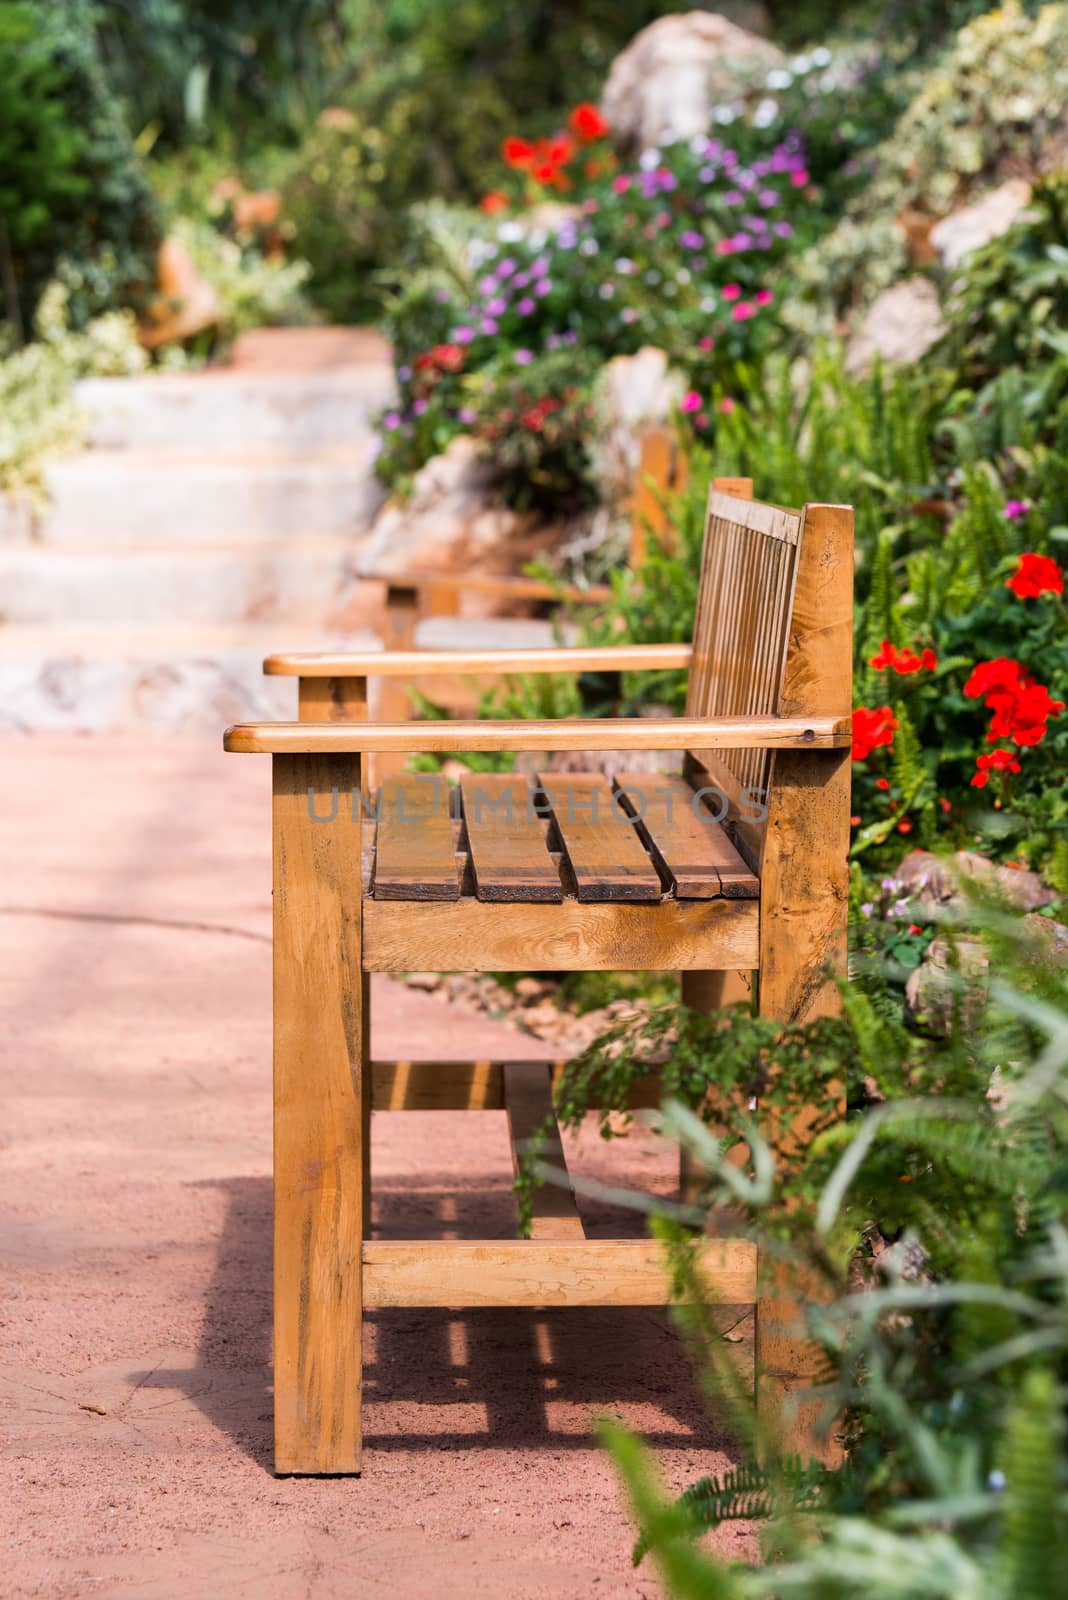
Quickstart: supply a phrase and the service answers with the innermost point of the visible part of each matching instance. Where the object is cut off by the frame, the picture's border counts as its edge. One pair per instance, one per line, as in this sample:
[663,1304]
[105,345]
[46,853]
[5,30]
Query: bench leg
[804,892]
[707,992]
[319,1093]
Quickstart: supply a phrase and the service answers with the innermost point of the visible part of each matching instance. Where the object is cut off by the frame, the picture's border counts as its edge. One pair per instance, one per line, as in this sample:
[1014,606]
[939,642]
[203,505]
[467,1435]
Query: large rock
[937,880]
[453,522]
[633,393]
[968,229]
[666,82]
[901,325]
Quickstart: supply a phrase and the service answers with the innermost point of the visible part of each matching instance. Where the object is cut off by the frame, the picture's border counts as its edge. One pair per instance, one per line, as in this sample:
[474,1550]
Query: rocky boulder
[968,229]
[664,85]
[453,522]
[900,326]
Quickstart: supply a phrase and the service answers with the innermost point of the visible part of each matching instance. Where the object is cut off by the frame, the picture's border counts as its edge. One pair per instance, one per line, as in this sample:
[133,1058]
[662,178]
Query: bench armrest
[450,663]
[625,733]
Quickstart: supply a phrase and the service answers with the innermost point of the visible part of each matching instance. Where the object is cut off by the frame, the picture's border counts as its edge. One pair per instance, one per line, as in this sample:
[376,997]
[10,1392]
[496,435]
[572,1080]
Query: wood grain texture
[432,663]
[605,858]
[415,850]
[468,1085]
[528,1101]
[332,699]
[506,840]
[805,883]
[544,1272]
[579,733]
[318,1119]
[692,852]
[462,936]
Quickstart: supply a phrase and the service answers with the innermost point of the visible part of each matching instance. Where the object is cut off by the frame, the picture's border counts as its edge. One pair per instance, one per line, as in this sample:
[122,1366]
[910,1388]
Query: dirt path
[135,1195]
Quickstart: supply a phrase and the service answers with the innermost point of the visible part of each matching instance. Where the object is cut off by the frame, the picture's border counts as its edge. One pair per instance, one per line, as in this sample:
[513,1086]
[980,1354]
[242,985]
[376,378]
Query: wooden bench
[553,880]
[422,609]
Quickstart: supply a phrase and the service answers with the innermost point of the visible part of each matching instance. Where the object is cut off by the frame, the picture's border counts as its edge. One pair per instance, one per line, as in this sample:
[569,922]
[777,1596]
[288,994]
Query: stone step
[297,581]
[138,678]
[228,410]
[144,498]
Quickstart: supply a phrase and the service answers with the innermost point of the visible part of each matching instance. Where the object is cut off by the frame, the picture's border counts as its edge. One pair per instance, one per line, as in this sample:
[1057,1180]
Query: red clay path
[136,1205]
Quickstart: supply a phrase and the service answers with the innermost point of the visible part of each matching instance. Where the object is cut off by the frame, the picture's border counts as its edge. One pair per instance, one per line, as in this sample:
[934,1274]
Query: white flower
[649,159]
[683,275]
[510,232]
[588,247]
[765,113]
[708,303]
[779,78]
[724,115]
[625,266]
[606,291]
[802,64]
[820,56]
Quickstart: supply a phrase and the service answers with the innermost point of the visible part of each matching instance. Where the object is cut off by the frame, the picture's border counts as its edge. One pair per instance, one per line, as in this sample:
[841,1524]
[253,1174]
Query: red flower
[871,730]
[1021,705]
[996,761]
[587,122]
[493,202]
[904,826]
[882,783]
[1035,575]
[517,152]
[903,661]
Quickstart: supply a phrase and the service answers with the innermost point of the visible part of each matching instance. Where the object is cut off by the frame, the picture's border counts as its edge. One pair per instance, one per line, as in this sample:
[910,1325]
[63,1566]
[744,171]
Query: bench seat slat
[688,845]
[415,850]
[506,840]
[606,858]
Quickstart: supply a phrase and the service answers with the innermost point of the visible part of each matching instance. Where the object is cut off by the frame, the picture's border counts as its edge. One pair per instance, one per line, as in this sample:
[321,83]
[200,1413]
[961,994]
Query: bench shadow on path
[508,1379]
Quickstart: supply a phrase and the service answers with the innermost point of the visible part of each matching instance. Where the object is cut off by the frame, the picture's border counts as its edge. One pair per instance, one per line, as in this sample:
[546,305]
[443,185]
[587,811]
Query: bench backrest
[772,634]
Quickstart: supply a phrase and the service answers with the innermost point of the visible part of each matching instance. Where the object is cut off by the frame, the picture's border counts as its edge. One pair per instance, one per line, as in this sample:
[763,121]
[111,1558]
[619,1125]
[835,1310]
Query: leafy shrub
[995,103]
[76,201]
[39,418]
[934,1225]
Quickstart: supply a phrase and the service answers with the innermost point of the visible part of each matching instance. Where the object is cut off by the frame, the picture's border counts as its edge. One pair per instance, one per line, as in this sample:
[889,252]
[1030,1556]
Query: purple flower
[543,286]
[784,230]
[419,407]
[742,241]
[488,284]
[767,198]
[553,342]
[571,337]
[667,180]
[524,357]
[505,268]
[1015,509]
[540,266]
[867,908]
[467,415]
[691,240]
[404,373]
[488,325]
[733,197]
[462,335]
[391,421]
[525,306]
[521,280]
[708,174]
[497,306]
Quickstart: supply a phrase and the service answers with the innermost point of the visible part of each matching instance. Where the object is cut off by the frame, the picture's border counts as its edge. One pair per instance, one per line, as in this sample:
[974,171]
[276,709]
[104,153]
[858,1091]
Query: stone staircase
[214,516]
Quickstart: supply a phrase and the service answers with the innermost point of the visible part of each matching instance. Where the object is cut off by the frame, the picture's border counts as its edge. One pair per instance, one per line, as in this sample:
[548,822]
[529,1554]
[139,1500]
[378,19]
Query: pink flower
[763,297]
[691,401]
[662,219]
[1015,509]
[724,247]
[726,406]
[731,291]
[706,343]
[799,179]
[743,311]
[621,183]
